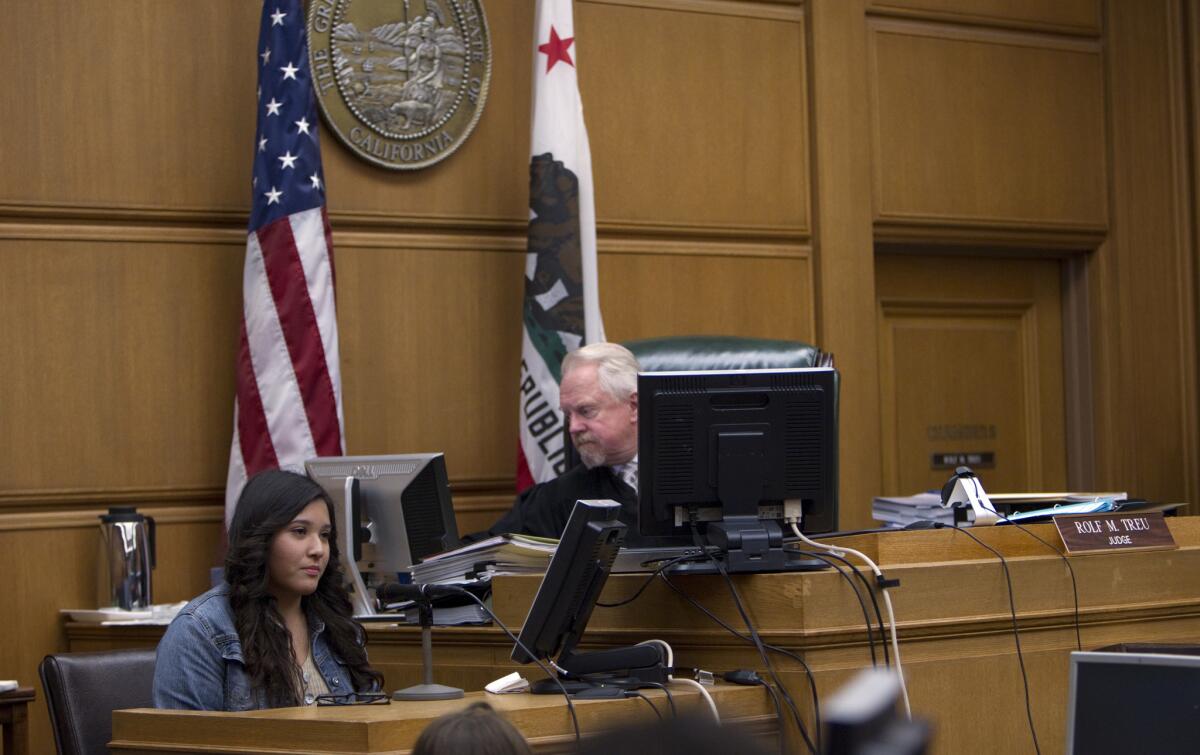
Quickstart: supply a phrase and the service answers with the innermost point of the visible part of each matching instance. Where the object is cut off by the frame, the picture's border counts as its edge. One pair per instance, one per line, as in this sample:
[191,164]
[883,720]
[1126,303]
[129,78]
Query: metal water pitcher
[127,539]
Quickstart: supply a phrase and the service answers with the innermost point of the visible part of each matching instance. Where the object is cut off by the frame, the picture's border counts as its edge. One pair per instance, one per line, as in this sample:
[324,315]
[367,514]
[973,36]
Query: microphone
[394,592]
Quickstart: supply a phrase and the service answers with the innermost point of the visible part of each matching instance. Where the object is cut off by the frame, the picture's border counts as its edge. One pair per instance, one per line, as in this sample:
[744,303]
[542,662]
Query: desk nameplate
[1098,533]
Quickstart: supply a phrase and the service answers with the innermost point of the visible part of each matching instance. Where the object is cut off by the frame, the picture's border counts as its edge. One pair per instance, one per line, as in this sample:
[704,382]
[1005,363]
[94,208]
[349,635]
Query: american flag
[289,396]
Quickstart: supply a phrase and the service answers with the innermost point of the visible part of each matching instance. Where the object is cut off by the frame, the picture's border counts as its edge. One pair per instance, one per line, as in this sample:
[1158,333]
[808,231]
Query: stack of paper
[503,554]
[904,510]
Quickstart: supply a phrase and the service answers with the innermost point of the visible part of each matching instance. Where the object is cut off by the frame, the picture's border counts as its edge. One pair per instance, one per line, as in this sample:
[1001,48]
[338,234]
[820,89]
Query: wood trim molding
[697,248]
[182,496]
[117,222]
[884,9]
[75,497]
[880,24]
[57,520]
[1184,95]
[513,243]
[898,228]
[1078,388]
[775,10]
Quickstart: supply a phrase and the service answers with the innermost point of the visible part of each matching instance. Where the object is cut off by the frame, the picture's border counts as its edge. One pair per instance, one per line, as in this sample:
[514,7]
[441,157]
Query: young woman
[279,631]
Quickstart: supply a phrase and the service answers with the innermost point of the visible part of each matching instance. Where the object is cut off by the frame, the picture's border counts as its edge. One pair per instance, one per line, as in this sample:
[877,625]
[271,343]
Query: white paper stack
[900,511]
[504,554]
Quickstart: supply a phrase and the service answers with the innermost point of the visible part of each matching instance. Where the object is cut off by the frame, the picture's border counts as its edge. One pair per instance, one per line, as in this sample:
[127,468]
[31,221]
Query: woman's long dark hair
[268,503]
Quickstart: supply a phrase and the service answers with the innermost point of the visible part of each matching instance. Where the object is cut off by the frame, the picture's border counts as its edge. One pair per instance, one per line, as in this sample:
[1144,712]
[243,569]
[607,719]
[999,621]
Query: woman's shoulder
[210,612]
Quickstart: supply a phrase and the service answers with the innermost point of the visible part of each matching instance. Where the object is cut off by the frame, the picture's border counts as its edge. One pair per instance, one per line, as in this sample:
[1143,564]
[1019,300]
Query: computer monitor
[734,455]
[391,512]
[563,604]
[1133,702]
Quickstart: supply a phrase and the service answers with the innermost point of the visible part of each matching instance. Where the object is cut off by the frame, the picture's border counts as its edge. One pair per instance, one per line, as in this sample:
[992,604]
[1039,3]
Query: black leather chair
[83,689]
[678,353]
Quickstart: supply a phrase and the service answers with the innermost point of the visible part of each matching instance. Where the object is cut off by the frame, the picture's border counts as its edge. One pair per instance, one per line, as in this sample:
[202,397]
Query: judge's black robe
[543,509]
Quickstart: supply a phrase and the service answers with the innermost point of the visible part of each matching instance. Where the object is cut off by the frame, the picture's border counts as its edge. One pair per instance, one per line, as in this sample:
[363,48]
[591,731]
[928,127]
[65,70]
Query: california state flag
[562,304]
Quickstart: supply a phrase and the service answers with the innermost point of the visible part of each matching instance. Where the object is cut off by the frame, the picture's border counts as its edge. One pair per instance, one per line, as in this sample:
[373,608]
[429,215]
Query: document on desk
[503,554]
[899,511]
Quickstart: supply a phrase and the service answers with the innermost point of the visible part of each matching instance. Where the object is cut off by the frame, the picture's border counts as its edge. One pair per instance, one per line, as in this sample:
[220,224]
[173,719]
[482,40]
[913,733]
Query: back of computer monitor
[391,511]
[1133,702]
[775,429]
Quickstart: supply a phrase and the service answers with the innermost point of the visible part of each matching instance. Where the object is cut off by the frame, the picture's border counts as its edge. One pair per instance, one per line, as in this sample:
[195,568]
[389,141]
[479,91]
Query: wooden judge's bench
[952,609]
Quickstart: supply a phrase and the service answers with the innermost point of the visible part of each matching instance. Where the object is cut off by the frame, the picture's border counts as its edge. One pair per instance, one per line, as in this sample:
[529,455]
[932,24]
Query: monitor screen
[751,444]
[391,511]
[1133,702]
[573,581]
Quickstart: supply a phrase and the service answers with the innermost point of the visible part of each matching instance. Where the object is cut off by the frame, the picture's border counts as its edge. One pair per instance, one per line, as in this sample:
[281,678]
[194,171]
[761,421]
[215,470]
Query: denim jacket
[199,664]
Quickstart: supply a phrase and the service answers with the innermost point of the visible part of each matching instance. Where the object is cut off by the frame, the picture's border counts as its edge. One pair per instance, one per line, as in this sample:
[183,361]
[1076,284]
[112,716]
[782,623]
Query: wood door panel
[970,361]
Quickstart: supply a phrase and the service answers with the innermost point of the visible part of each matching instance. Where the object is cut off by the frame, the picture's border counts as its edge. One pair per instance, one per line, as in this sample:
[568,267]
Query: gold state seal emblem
[401,82]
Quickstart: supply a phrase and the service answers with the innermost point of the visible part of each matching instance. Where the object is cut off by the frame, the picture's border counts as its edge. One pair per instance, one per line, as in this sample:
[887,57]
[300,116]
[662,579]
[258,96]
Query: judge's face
[300,553]
[603,428]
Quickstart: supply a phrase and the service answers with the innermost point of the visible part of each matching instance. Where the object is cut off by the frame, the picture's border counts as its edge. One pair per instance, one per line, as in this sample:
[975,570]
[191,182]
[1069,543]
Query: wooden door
[971,369]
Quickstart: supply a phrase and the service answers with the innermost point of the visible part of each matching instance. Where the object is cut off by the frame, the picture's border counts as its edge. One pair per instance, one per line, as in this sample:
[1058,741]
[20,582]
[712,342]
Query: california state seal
[401,82]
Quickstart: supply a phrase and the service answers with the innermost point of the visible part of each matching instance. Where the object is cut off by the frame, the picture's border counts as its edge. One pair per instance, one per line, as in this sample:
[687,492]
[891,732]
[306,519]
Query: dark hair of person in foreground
[475,730]
[269,501]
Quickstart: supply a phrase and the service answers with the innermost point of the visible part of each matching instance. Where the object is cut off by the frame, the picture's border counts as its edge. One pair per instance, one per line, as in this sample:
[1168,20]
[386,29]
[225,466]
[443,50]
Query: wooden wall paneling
[1145,333]
[649,290]
[1192,16]
[1064,16]
[51,562]
[986,128]
[1079,381]
[697,118]
[430,334]
[136,104]
[123,350]
[116,89]
[971,361]
[844,251]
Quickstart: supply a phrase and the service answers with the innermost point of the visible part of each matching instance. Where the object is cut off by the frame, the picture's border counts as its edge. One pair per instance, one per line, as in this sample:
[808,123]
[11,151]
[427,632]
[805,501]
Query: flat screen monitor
[564,602]
[734,455]
[1133,702]
[391,511]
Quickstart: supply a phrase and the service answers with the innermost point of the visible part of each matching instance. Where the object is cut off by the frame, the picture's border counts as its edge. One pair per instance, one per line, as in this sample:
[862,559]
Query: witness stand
[952,609]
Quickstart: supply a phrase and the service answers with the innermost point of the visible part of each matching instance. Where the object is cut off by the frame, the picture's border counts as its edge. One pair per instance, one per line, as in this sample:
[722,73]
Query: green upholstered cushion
[676,353]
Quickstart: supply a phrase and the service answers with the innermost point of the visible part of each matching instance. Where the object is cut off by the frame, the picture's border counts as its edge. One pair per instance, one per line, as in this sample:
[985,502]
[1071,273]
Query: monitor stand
[606,673]
[748,545]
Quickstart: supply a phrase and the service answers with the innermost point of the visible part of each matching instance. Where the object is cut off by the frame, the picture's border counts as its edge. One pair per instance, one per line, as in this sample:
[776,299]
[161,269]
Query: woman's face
[300,553]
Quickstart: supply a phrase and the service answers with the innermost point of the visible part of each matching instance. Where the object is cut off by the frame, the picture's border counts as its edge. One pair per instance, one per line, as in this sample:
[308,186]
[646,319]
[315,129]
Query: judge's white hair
[616,367]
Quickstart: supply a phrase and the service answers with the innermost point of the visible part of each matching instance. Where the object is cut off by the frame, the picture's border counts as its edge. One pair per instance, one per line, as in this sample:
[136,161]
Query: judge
[599,402]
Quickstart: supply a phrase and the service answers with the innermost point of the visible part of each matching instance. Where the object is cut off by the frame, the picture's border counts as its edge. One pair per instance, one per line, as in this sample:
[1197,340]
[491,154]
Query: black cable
[665,565]
[1070,569]
[870,590]
[542,666]
[653,707]
[778,713]
[812,684]
[866,616]
[762,652]
[667,692]
[758,643]
[1016,633]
